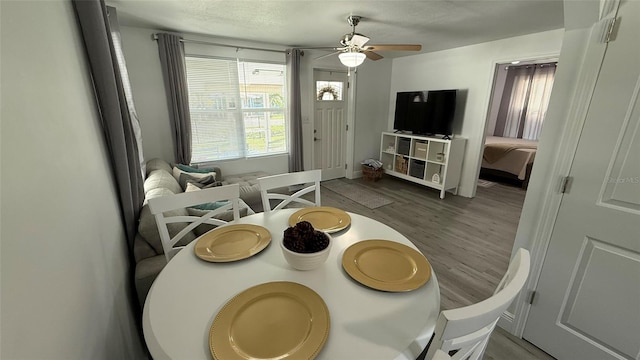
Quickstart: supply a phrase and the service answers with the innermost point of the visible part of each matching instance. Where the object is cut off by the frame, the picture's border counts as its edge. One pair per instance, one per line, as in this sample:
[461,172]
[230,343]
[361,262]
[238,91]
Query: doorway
[330,122]
[519,102]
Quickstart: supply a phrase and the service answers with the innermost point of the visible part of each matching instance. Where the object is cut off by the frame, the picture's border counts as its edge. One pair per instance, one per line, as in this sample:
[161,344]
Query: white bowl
[307,261]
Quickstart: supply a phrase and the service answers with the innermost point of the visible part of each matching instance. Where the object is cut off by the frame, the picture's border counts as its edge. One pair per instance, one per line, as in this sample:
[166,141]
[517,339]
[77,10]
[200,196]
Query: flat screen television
[425,112]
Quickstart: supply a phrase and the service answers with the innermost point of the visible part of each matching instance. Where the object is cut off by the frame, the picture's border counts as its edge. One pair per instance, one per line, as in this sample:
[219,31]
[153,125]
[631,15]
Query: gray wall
[63,259]
[143,63]
[471,69]
[372,93]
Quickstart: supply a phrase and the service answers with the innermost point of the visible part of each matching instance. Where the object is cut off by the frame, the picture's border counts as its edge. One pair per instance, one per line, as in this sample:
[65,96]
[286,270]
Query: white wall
[372,107]
[470,69]
[63,261]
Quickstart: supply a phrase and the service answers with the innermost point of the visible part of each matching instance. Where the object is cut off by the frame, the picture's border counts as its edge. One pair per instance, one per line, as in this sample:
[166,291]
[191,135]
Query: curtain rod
[155,37]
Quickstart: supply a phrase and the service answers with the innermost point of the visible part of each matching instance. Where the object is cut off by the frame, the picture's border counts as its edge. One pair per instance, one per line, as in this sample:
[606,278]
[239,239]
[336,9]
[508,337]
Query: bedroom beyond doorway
[518,107]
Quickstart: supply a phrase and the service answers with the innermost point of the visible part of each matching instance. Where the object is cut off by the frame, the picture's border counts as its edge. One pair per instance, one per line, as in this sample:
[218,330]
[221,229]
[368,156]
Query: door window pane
[329,90]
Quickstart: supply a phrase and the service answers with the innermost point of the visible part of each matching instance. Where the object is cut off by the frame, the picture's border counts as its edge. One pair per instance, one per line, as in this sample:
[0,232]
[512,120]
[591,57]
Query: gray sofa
[148,253]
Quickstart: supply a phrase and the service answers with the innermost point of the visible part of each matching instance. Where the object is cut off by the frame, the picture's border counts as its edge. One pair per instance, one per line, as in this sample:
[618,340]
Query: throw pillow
[211,205]
[199,181]
[203,183]
[191,186]
[177,172]
[191,169]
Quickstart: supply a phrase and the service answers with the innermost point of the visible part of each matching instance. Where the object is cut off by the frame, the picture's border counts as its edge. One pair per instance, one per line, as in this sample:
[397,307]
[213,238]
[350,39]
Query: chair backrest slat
[268,183]
[159,206]
[466,330]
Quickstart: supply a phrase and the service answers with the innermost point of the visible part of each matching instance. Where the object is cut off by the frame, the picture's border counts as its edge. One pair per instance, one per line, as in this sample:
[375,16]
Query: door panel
[330,123]
[588,295]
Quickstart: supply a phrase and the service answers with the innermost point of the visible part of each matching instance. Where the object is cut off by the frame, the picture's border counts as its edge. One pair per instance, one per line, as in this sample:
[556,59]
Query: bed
[509,158]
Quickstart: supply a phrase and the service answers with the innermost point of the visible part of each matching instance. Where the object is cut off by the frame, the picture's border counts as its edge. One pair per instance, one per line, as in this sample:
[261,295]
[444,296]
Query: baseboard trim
[506,321]
[357,174]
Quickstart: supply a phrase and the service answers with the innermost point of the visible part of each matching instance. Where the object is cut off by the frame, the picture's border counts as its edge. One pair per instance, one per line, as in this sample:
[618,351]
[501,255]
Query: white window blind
[237,108]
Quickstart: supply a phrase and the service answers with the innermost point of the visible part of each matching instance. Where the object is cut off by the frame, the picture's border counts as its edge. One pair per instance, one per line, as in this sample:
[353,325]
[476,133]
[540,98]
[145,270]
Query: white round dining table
[365,323]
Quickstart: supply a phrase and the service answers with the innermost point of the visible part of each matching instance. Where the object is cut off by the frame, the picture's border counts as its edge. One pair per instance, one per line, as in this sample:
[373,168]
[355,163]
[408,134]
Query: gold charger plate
[323,218]
[386,265]
[232,242]
[271,321]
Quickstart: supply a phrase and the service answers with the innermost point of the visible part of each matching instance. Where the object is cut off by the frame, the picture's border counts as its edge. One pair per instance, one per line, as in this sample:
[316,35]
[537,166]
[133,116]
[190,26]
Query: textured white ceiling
[435,24]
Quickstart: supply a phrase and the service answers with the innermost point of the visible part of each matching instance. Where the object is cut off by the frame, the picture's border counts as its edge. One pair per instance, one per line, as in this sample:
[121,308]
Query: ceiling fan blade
[397,47]
[320,48]
[359,40]
[327,55]
[372,56]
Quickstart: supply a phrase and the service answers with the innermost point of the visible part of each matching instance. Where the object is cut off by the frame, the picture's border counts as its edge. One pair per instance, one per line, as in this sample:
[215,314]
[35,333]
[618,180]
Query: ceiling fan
[354,49]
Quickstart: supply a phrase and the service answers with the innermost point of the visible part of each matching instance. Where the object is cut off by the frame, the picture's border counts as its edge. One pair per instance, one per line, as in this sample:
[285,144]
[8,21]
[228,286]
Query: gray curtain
[128,92]
[174,72]
[294,110]
[113,110]
[525,99]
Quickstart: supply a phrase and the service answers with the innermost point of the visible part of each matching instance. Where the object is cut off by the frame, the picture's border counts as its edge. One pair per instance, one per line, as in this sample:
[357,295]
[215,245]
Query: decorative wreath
[328,89]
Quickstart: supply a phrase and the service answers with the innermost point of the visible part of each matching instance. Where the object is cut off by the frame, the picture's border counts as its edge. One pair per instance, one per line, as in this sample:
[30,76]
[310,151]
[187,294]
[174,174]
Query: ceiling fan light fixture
[351,58]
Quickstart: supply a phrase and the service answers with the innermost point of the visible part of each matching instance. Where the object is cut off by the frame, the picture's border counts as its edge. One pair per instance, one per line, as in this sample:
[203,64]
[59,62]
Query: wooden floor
[467,241]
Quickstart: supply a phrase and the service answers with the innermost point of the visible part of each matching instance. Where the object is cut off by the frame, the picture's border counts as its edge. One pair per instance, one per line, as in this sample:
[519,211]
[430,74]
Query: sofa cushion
[158,164]
[249,187]
[146,272]
[142,249]
[249,179]
[158,179]
[148,228]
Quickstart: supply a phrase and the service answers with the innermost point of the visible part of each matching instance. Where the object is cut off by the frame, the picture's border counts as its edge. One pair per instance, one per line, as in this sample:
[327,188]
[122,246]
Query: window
[222,130]
[525,99]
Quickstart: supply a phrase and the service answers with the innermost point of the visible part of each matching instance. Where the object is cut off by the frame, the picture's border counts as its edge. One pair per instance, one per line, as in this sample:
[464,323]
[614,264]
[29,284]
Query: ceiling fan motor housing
[354,20]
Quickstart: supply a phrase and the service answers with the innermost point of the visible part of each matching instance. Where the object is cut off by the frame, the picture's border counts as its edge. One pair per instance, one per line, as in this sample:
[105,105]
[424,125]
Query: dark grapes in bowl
[304,247]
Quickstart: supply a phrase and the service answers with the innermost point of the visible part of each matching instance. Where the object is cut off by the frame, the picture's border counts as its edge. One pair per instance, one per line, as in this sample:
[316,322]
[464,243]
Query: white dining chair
[162,206]
[463,333]
[441,355]
[270,184]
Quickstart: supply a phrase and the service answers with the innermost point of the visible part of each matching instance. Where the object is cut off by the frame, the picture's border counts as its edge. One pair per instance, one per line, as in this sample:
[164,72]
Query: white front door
[330,123]
[587,304]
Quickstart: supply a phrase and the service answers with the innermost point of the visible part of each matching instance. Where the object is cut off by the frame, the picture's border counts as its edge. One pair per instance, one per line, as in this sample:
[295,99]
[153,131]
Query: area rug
[357,193]
[485,183]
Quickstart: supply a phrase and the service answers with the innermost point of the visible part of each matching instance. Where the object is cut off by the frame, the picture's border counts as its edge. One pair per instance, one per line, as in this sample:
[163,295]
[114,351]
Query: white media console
[430,161]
